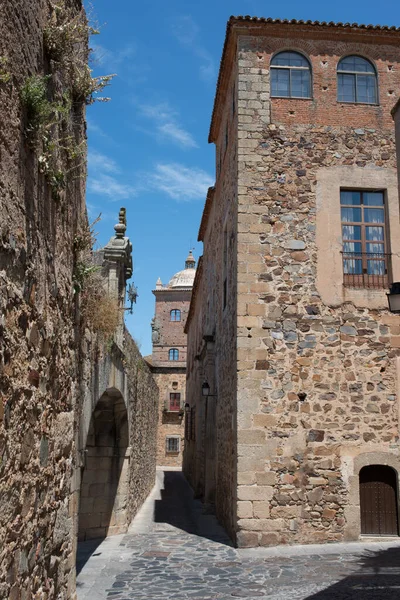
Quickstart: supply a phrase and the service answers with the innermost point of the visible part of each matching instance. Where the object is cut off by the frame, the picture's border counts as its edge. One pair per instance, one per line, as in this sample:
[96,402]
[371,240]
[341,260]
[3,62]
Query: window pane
[350,197]
[346,88]
[351,232]
[373,198]
[376,267]
[366,89]
[289,59]
[375,248]
[352,247]
[355,63]
[352,215]
[280,82]
[373,215]
[300,84]
[375,234]
[352,266]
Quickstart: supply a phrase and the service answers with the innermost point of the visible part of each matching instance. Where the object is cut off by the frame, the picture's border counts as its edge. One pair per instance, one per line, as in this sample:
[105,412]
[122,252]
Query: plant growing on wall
[5,75]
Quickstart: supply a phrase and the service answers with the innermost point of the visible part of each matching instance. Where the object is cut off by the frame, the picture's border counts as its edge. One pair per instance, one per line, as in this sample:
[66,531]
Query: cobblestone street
[174,549]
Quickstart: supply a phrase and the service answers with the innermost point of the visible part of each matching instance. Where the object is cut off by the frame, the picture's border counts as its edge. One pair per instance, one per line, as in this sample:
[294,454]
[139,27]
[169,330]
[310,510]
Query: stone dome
[183,278]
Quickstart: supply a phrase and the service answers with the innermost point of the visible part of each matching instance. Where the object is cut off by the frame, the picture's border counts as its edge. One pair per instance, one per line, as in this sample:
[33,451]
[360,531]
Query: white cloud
[100,162]
[179,182]
[105,185]
[187,33]
[167,125]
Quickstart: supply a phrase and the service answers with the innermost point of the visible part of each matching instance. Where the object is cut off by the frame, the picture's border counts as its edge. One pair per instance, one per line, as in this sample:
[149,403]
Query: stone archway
[104,481]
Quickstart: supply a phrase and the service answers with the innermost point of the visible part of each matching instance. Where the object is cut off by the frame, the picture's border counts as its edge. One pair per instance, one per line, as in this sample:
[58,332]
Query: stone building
[71,379]
[168,360]
[298,440]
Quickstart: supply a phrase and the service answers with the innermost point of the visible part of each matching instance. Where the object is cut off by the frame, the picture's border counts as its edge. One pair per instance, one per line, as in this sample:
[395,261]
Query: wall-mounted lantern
[187,408]
[205,391]
[394,297]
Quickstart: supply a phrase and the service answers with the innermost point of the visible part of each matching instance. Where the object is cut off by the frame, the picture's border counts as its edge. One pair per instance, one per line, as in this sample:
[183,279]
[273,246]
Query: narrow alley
[174,549]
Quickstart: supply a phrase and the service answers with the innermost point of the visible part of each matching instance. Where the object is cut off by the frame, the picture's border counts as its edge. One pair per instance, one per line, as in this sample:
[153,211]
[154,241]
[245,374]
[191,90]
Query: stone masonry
[170,375]
[59,378]
[315,399]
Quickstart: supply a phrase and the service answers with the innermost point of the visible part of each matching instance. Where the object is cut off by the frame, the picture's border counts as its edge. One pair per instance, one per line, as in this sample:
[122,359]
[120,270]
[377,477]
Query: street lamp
[205,391]
[394,297]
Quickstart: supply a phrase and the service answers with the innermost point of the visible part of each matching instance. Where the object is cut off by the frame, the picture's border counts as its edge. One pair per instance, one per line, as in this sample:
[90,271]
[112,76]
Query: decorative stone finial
[158,283]
[120,227]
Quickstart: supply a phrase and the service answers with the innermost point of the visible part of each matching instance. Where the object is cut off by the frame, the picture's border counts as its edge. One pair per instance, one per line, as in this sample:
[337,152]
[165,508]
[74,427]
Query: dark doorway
[104,487]
[378,500]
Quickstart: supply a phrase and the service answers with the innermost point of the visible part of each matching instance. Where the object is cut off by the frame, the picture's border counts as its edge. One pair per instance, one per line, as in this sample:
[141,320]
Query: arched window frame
[355,75]
[173,354]
[175,315]
[290,69]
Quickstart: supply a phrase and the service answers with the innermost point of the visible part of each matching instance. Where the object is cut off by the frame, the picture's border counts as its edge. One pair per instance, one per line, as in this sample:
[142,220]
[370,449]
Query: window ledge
[292,97]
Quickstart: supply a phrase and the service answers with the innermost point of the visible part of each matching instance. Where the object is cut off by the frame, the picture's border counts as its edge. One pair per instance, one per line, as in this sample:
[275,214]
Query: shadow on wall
[378,578]
[178,508]
[104,488]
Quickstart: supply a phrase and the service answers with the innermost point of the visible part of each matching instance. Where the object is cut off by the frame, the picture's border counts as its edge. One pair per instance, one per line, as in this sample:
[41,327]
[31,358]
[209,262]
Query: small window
[365,257]
[175,315]
[357,81]
[174,402]
[290,76]
[173,354]
[172,445]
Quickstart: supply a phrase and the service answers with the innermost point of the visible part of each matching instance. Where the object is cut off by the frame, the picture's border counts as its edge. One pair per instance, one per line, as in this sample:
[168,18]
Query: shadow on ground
[378,578]
[178,508]
[85,551]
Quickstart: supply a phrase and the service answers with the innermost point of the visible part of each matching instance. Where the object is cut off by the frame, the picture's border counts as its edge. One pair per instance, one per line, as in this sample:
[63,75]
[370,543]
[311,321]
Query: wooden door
[378,500]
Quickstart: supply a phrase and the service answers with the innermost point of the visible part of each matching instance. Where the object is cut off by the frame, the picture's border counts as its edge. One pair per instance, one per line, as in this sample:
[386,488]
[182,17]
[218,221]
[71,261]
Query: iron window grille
[357,81]
[290,76]
[172,445]
[366,261]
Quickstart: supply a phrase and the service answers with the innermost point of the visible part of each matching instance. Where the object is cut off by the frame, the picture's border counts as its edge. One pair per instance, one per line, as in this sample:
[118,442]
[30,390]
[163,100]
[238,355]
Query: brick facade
[306,387]
[170,375]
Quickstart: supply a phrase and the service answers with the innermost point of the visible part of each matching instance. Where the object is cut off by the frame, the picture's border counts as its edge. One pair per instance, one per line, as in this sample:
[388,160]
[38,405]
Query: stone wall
[38,368]
[317,362]
[210,458]
[170,423]
[294,338]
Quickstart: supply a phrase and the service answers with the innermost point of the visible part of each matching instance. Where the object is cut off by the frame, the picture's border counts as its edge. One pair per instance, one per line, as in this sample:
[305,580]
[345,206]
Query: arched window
[357,81]
[175,315]
[290,76]
[173,354]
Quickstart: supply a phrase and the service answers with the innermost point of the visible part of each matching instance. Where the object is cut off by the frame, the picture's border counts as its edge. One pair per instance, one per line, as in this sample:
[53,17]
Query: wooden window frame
[364,279]
[172,352]
[172,402]
[355,75]
[292,68]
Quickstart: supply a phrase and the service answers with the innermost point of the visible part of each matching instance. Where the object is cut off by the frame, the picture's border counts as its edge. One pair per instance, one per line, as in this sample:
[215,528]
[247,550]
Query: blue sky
[148,147]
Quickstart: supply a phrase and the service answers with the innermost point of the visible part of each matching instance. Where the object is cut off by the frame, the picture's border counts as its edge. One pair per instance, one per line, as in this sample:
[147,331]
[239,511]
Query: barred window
[357,81]
[172,444]
[365,256]
[290,76]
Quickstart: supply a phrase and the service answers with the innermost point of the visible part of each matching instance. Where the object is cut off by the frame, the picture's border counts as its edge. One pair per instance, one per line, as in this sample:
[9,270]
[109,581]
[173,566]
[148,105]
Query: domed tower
[168,360]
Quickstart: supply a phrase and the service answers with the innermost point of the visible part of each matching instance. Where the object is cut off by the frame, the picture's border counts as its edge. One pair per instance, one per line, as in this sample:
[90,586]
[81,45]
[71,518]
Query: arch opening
[379,501]
[105,476]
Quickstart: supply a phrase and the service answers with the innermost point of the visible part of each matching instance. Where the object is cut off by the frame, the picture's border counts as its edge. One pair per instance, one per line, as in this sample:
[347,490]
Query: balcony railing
[366,269]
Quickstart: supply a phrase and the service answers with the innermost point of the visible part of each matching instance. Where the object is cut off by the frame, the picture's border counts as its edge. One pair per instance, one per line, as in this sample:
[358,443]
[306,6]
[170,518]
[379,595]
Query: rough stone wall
[215,360]
[170,423]
[37,338]
[143,397]
[297,468]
